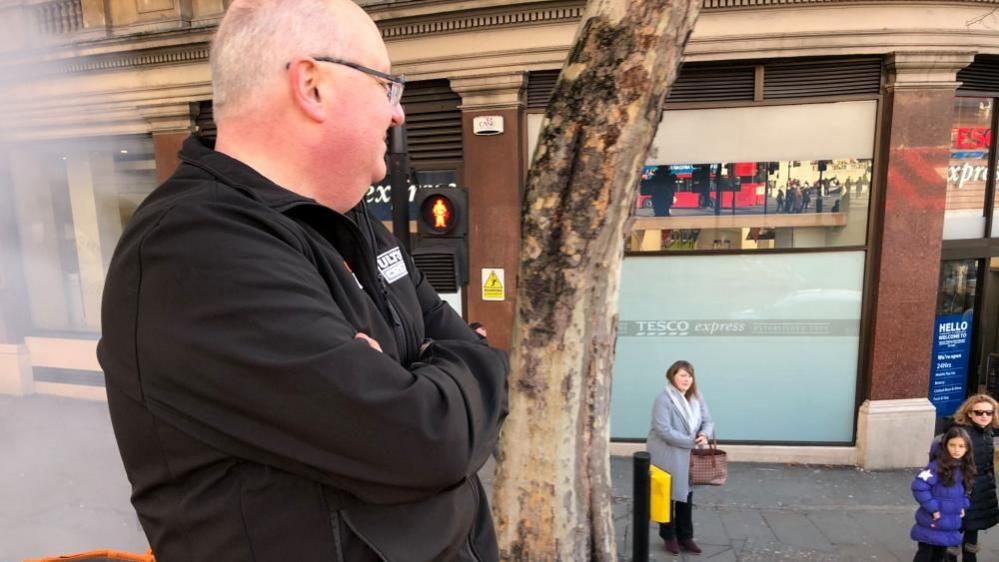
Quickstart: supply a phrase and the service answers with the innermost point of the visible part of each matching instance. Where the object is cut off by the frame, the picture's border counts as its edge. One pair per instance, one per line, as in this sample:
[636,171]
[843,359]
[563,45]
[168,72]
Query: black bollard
[640,508]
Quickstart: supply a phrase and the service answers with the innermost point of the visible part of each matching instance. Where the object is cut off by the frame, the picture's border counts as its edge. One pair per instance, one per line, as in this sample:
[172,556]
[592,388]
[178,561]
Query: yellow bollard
[660,482]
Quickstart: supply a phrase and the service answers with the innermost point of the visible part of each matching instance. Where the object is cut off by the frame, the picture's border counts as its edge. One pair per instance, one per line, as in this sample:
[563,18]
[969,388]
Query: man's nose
[398,115]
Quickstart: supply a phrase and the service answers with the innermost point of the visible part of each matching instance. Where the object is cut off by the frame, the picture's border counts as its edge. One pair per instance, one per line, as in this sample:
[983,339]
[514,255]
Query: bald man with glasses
[284,384]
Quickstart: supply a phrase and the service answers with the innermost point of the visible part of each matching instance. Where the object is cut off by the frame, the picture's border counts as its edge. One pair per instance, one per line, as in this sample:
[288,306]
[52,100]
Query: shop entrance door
[987,374]
[955,364]
[967,301]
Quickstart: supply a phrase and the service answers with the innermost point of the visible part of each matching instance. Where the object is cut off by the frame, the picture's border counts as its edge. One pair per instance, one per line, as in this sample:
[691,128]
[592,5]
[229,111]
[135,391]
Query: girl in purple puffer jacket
[940,490]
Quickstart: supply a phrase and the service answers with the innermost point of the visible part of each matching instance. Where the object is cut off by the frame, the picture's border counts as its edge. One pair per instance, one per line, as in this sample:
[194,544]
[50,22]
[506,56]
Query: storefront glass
[774,336]
[752,205]
[71,201]
[967,173]
[764,182]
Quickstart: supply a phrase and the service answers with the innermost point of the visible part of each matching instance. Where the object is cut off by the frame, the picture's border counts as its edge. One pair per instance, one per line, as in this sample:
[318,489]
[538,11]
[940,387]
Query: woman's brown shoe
[672,546]
[690,546]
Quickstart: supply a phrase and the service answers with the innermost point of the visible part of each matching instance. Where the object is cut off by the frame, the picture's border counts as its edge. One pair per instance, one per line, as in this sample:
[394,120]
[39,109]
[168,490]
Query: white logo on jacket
[925,475]
[391,265]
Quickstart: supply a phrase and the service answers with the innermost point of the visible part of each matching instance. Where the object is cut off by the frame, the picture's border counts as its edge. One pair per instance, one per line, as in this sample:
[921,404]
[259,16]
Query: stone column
[84,173]
[896,421]
[494,173]
[170,124]
[15,366]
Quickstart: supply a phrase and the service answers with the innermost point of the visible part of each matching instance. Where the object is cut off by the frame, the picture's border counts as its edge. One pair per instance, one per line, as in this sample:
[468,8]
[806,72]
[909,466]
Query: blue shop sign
[949,372]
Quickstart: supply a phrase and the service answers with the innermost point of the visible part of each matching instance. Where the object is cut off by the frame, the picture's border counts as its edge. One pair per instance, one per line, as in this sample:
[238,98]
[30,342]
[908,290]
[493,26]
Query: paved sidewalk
[62,490]
[62,485]
[768,513]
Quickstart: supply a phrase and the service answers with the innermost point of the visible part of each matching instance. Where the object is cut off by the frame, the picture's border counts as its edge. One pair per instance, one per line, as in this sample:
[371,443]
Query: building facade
[814,229]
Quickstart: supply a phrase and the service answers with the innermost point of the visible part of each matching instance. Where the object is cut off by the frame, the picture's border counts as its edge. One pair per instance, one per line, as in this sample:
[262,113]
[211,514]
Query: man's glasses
[394,83]
[983,412]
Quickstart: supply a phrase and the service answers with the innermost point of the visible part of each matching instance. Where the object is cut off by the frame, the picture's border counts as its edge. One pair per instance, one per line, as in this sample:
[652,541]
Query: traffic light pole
[398,172]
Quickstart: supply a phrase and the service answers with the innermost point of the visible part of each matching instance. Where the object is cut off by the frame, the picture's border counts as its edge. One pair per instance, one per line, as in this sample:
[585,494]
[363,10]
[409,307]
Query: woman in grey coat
[680,422]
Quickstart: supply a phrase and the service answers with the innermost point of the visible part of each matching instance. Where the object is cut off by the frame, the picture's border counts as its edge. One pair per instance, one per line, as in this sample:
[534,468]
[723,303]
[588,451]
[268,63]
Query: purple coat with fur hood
[933,496]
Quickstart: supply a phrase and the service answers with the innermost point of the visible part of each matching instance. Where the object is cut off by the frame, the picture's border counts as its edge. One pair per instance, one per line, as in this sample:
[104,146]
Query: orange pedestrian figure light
[441,214]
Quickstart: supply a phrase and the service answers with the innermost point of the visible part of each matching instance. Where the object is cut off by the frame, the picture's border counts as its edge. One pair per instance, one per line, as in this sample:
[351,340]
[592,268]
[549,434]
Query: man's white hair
[257,38]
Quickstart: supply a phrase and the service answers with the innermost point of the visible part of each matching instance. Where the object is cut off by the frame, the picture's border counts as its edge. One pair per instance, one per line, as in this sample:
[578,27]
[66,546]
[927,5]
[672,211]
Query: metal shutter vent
[540,85]
[981,76]
[713,82]
[724,81]
[439,267]
[697,82]
[433,122]
[821,78]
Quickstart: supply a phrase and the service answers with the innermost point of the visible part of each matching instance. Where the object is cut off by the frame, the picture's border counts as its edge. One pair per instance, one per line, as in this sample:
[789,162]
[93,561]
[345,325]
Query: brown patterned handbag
[708,466]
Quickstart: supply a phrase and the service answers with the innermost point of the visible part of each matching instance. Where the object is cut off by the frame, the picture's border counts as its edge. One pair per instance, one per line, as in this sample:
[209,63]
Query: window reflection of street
[967,171]
[958,284]
[751,205]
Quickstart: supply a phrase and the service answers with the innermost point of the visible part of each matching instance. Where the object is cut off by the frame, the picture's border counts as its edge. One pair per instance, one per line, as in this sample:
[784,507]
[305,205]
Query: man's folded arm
[242,346]
[440,321]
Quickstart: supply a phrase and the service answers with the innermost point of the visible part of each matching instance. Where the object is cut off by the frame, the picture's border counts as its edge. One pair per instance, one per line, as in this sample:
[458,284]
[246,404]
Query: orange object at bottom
[99,556]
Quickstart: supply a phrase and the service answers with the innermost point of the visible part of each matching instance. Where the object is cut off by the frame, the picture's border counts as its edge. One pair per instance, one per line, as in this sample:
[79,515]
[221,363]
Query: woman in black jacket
[978,417]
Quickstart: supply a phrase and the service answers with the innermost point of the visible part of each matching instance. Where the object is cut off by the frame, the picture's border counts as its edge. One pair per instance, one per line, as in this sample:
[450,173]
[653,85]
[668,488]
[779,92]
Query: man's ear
[309,88]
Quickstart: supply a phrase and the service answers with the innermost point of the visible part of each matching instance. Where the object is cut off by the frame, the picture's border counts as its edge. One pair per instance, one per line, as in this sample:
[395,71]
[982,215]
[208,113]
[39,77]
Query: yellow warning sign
[492,284]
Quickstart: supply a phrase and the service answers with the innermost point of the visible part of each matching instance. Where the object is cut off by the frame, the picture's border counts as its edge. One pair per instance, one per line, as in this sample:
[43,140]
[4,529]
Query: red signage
[745,169]
[971,138]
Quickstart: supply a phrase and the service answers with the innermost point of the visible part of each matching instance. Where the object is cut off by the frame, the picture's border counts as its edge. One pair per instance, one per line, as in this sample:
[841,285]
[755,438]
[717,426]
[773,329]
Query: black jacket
[252,424]
[984,510]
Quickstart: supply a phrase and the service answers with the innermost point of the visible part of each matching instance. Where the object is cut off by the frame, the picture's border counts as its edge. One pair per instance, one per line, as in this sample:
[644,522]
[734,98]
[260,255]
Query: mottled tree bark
[552,498]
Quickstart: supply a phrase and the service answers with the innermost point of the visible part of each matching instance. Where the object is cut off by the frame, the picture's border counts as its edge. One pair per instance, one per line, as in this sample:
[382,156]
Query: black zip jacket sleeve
[439,319]
[244,347]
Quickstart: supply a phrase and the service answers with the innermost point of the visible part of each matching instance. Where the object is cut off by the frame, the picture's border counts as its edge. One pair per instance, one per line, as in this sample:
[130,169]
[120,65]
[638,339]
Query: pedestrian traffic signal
[441,249]
[442,212]
[438,214]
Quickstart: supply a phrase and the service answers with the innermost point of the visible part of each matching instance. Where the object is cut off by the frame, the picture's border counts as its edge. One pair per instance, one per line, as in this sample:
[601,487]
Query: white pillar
[15,370]
[894,433]
[84,170]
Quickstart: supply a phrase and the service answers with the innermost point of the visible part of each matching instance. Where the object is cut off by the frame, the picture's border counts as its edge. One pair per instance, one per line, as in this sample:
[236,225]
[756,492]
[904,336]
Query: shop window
[774,336]
[958,282]
[766,178]
[758,327]
[72,200]
[774,339]
[752,205]
[968,169]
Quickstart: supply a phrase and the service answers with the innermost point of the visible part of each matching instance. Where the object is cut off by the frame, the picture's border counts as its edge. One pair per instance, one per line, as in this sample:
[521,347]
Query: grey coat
[670,441]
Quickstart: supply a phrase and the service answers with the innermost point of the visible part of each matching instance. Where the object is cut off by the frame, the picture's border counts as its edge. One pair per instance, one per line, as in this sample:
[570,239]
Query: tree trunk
[552,497]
